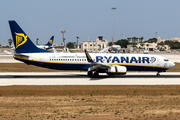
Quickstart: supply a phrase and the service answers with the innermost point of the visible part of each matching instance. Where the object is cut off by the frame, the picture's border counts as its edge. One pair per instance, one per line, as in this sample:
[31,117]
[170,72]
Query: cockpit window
[166,60]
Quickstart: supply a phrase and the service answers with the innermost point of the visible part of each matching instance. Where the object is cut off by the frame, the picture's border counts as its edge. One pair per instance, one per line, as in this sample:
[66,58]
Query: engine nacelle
[117,70]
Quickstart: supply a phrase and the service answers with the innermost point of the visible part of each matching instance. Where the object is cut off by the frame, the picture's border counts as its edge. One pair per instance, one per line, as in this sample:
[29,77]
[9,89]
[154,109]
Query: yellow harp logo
[20,39]
[50,41]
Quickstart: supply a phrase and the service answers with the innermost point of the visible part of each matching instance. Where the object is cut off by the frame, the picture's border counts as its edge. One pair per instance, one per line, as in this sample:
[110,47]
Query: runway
[67,78]
[80,78]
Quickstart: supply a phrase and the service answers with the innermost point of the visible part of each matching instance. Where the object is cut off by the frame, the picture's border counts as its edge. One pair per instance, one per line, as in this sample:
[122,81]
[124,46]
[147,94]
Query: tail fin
[22,43]
[50,42]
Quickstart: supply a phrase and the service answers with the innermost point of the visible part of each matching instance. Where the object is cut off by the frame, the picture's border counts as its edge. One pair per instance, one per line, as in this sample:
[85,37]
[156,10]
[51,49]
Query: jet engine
[117,70]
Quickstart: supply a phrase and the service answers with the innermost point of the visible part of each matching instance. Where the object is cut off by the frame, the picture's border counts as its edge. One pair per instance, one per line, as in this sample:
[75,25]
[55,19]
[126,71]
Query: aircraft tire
[90,74]
[96,74]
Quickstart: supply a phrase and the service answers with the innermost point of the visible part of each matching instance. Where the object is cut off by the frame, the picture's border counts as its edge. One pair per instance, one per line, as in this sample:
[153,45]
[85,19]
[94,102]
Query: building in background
[94,46]
[174,39]
[152,46]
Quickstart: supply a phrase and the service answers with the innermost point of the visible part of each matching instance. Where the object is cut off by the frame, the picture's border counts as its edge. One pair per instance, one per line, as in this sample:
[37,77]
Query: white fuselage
[131,61]
[44,47]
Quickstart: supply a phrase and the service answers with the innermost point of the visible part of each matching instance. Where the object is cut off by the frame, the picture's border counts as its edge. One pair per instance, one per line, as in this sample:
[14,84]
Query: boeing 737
[48,45]
[93,63]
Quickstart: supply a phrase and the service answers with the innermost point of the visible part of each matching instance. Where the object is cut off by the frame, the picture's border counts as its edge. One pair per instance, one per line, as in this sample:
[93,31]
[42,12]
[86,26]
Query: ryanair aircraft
[93,63]
[48,45]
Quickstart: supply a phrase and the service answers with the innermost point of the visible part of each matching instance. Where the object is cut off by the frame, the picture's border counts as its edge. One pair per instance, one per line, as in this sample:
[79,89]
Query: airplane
[44,46]
[48,45]
[114,48]
[93,63]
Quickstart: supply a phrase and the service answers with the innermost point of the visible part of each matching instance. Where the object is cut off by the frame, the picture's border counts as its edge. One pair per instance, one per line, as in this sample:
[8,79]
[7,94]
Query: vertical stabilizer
[50,42]
[22,43]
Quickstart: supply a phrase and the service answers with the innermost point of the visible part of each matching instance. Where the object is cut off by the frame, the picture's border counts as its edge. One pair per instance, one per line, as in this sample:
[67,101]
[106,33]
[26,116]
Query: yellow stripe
[88,55]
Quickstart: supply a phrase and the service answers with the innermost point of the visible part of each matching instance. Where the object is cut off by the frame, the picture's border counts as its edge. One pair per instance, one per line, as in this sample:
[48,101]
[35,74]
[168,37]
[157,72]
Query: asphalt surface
[76,78]
[81,78]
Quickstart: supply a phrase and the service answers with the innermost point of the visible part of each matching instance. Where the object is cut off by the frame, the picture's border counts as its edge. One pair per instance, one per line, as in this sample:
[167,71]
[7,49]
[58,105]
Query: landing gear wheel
[158,74]
[96,74]
[90,74]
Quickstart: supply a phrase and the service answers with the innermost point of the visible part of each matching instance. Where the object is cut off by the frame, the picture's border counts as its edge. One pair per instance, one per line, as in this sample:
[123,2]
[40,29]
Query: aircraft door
[158,62]
[41,60]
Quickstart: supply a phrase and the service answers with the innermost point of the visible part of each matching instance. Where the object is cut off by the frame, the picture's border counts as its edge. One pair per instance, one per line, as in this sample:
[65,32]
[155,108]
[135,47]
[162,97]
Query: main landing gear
[91,74]
[157,74]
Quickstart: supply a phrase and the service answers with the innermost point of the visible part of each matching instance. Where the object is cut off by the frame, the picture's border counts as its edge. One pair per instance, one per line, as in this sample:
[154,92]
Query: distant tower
[63,40]
[113,8]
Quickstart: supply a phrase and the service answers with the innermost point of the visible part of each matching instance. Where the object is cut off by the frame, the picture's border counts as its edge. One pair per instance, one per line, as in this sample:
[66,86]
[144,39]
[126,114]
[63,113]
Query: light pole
[113,8]
[77,42]
[156,34]
[63,42]
[37,41]
[122,35]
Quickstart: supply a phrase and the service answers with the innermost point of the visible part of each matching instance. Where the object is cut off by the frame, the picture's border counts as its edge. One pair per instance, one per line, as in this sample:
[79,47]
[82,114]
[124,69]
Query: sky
[89,19]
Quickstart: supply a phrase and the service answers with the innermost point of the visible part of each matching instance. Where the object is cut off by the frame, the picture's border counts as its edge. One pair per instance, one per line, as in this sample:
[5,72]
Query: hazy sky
[89,19]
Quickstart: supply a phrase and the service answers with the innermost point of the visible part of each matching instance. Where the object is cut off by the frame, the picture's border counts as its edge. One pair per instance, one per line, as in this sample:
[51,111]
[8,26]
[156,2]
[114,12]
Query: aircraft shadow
[136,76]
[71,76]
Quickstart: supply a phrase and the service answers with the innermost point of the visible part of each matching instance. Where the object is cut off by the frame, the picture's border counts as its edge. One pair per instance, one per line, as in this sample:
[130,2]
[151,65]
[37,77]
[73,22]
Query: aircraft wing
[95,65]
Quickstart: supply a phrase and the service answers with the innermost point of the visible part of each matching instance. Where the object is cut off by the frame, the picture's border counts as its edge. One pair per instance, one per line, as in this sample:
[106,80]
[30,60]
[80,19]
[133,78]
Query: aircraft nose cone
[172,64]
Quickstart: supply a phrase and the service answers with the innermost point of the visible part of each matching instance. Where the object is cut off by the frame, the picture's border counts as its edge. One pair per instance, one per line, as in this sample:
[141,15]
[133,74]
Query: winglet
[89,59]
